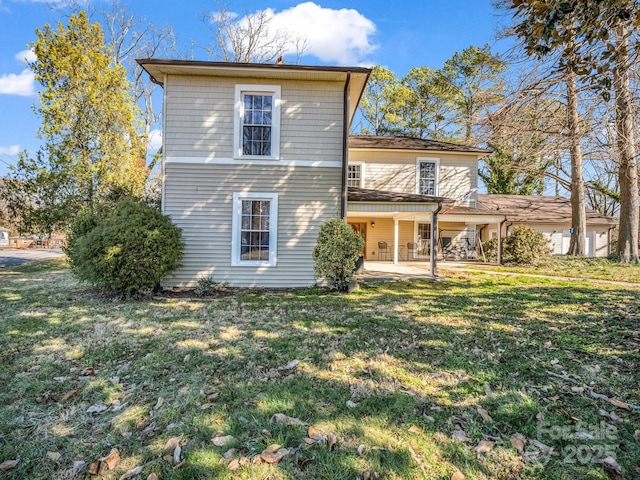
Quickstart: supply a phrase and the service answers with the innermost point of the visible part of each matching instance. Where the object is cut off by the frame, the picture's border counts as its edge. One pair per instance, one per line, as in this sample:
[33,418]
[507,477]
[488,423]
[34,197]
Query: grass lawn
[579,268]
[485,376]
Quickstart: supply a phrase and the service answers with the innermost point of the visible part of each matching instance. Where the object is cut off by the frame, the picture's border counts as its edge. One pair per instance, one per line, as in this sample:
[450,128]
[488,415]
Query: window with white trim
[257,121]
[255,221]
[354,175]
[427,176]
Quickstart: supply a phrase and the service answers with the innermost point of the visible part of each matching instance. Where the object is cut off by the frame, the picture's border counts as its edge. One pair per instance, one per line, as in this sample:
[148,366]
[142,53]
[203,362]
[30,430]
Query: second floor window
[256,124]
[354,176]
[427,177]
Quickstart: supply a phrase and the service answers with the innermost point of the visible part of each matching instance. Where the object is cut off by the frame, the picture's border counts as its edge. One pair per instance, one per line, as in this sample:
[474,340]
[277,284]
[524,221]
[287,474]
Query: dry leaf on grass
[331,441]
[106,463]
[314,436]
[636,435]
[484,446]
[132,473]
[171,445]
[176,454]
[8,465]
[158,404]
[291,365]
[360,449]
[152,476]
[69,394]
[274,453]
[487,389]
[484,414]
[223,440]
[457,475]
[518,442]
[54,456]
[617,403]
[416,430]
[351,404]
[460,436]
[285,419]
[97,409]
[610,464]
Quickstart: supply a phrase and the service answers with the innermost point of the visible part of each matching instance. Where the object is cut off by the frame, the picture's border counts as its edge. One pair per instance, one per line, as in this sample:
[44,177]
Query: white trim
[163,159]
[244,161]
[437,170]
[362,170]
[238,197]
[241,89]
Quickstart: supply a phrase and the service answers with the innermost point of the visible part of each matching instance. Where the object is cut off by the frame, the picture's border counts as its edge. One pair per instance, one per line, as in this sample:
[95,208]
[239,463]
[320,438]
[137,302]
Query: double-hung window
[427,176]
[255,220]
[355,175]
[257,121]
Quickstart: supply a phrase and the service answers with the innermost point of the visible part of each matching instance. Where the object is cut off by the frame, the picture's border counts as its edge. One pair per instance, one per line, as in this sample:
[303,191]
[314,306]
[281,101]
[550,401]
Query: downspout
[434,230]
[345,147]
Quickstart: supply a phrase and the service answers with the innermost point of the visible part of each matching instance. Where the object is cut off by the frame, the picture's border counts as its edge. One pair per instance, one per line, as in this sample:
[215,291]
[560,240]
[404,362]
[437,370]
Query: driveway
[11,257]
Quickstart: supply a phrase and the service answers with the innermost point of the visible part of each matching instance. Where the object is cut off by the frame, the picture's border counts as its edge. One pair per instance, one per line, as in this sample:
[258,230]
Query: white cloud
[20,84]
[26,56]
[10,150]
[155,139]
[342,36]
[338,36]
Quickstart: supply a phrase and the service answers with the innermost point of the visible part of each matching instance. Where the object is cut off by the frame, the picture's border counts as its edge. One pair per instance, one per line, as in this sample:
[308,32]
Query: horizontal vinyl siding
[200,113]
[199,200]
[396,171]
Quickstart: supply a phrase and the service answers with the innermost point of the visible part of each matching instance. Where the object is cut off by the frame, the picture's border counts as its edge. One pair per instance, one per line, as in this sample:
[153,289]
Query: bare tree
[250,39]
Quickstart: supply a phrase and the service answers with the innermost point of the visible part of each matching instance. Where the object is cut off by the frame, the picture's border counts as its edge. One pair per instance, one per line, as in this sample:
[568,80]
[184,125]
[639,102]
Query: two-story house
[257,156]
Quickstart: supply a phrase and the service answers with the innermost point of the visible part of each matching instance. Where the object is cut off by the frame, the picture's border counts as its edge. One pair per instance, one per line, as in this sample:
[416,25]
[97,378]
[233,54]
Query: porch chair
[383,251]
[411,248]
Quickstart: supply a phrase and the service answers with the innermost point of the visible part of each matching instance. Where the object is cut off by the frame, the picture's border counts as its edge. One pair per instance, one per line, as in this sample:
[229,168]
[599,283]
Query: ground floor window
[255,219]
[424,238]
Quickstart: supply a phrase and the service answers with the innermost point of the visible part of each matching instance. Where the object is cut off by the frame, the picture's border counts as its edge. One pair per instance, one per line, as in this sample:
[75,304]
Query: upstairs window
[427,176]
[354,176]
[257,124]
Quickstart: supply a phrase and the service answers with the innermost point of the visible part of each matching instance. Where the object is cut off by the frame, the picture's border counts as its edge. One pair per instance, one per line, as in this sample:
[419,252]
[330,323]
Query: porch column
[434,241]
[396,238]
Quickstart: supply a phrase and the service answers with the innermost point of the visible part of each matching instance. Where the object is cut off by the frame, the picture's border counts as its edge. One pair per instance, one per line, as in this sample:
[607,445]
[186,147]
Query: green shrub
[524,245]
[490,248]
[125,250]
[336,252]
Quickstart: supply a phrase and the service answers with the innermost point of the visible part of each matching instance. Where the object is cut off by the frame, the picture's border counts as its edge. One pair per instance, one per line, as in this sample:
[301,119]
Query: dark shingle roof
[356,194]
[409,143]
[538,209]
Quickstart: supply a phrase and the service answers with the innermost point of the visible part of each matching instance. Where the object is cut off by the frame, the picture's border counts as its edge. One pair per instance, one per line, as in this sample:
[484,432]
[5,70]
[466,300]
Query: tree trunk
[577,245]
[628,168]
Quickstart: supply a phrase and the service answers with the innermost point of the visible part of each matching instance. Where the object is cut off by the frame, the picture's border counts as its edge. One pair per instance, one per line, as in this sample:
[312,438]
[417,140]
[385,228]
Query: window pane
[257,120]
[255,230]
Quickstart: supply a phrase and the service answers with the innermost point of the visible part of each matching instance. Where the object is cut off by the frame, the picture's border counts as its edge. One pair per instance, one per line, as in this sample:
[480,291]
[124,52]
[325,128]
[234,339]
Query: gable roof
[410,143]
[157,68]
[538,209]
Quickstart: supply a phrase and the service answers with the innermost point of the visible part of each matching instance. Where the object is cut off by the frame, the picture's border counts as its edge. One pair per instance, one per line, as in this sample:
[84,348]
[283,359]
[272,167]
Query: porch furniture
[383,251]
[411,249]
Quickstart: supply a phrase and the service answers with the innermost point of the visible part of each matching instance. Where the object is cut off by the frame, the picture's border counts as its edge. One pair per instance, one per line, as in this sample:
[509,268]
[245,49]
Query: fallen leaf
[152,476]
[234,465]
[158,404]
[8,465]
[171,445]
[88,372]
[457,475]
[207,406]
[617,403]
[331,441]
[291,365]
[109,462]
[54,456]
[484,446]
[351,404]
[132,473]
[97,409]
[484,414]
[223,440]
[274,453]
[360,449]
[416,430]
[69,394]
[282,418]
[315,435]
[636,435]
[518,442]
[94,468]
[610,462]
[176,454]
[460,435]
[487,390]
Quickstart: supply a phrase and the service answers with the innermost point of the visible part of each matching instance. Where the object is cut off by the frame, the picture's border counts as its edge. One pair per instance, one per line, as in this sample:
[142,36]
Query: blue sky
[398,35]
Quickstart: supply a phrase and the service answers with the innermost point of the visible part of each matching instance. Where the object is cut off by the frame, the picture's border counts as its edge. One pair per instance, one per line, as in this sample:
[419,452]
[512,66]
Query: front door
[361,229]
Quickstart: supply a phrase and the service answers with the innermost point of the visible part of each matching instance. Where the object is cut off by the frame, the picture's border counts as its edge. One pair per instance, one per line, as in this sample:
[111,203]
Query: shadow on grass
[406,354]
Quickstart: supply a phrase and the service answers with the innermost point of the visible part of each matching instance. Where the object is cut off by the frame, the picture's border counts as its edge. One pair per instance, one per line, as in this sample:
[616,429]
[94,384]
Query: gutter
[345,146]
[434,230]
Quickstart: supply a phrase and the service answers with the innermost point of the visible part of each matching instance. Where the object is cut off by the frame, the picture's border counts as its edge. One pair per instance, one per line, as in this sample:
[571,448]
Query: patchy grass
[585,268]
[409,377]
